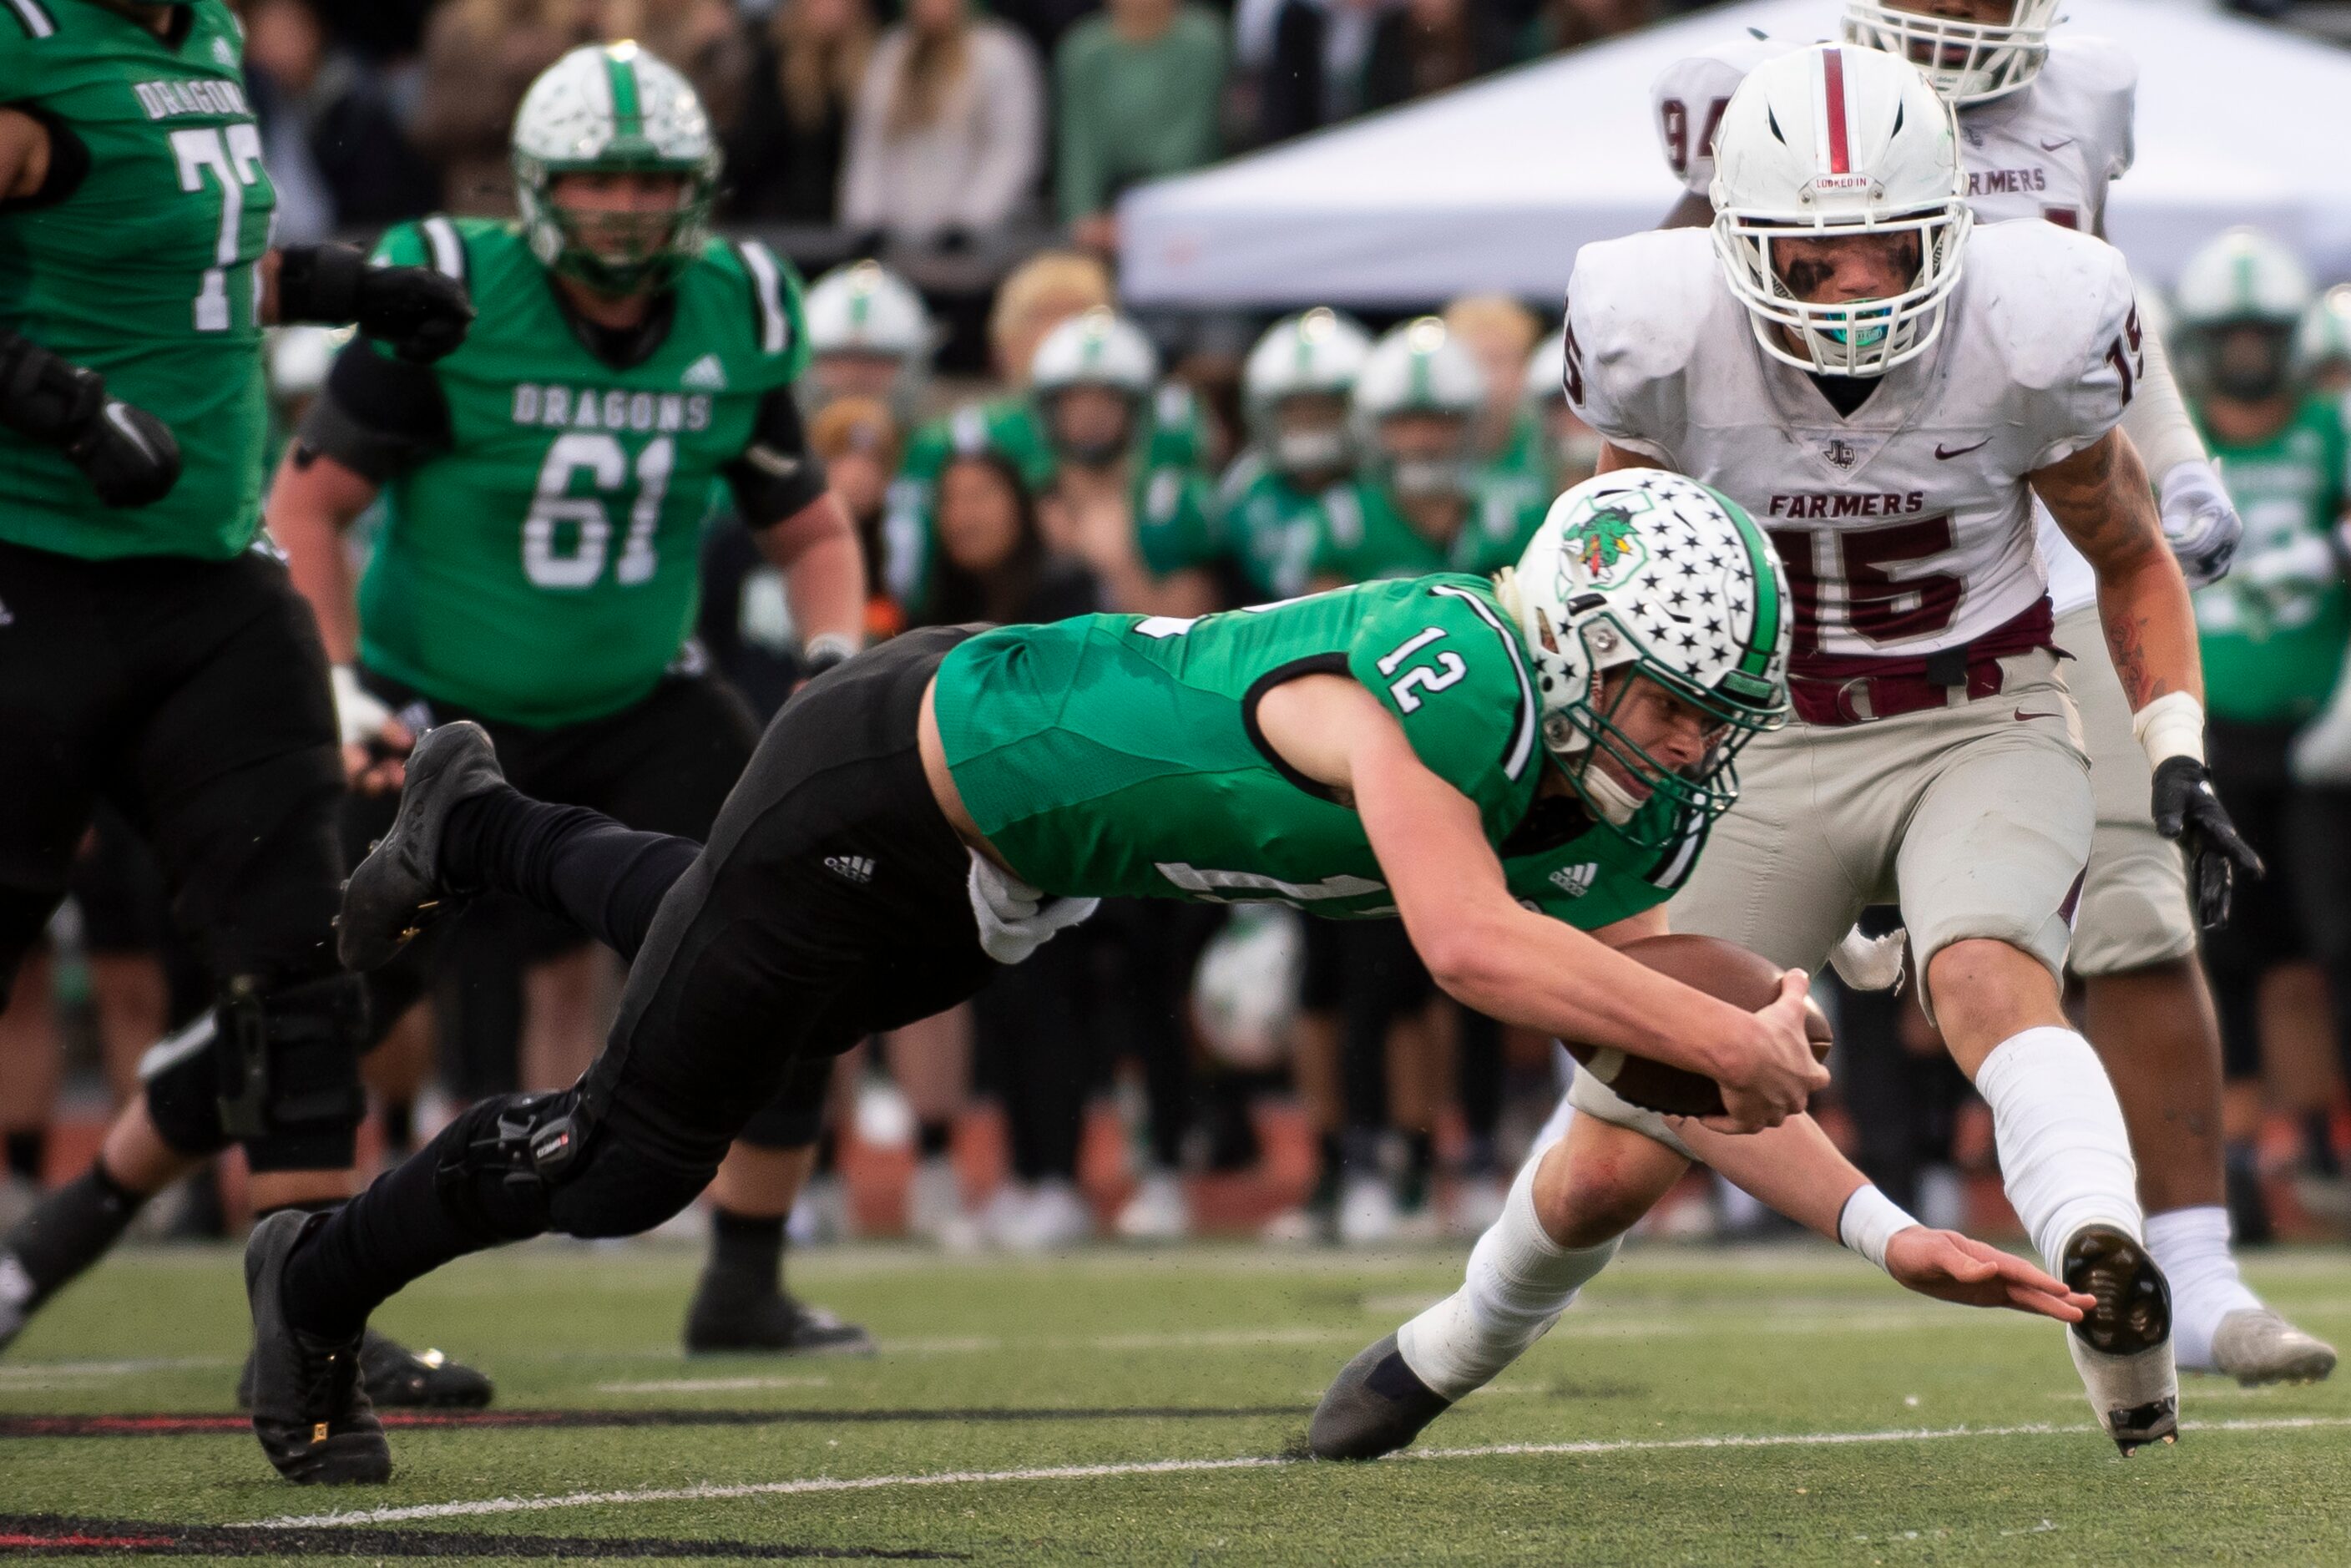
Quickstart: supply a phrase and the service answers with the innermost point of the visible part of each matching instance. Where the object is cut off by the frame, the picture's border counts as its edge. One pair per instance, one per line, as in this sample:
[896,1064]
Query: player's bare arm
[824,572]
[2101,498]
[1492,955]
[23,154]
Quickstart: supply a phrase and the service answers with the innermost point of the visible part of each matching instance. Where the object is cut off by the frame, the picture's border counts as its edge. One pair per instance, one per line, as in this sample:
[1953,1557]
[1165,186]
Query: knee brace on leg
[288,1061]
[521,1164]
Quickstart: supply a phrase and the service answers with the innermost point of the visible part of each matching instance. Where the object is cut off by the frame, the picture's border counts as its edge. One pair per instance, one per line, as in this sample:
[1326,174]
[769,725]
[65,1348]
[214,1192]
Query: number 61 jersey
[139,259]
[540,563]
[1905,528]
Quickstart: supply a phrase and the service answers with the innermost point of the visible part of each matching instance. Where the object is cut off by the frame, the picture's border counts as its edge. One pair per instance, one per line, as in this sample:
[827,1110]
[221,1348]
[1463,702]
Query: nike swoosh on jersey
[1960,451]
[2061,141]
[2023,716]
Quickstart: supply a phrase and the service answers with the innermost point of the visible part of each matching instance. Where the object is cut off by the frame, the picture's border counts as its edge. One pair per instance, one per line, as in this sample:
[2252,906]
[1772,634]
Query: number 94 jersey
[139,259]
[2048,150]
[541,566]
[1906,527]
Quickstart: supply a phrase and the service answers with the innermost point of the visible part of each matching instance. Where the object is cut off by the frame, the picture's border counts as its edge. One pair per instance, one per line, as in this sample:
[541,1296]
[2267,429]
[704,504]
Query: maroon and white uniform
[1937,759]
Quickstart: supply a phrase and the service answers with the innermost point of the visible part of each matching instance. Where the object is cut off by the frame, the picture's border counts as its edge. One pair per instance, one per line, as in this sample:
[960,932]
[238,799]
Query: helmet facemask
[1307,435]
[1969,62]
[2248,359]
[1101,438]
[1424,454]
[1846,338]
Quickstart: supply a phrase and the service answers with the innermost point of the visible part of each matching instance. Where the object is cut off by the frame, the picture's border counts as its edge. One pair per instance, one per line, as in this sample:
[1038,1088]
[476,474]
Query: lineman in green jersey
[1294,389]
[1419,505]
[2272,634]
[542,492]
[1508,763]
[147,654]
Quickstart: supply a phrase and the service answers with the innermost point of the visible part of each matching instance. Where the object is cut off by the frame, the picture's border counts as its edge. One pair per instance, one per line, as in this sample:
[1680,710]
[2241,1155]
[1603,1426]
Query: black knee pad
[277,1071]
[794,1118]
[521,1164]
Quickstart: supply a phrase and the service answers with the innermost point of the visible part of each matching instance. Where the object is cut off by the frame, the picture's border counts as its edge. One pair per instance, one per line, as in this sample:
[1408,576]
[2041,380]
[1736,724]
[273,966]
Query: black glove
[126,454]
[2187,809]
[422,313]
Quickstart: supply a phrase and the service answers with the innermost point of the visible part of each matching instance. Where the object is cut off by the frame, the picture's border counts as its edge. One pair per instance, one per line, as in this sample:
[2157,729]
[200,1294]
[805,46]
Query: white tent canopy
[1494,186]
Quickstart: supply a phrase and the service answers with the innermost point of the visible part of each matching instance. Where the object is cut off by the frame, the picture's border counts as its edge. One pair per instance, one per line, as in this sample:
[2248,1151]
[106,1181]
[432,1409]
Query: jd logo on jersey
[1839,452]
[1606,547]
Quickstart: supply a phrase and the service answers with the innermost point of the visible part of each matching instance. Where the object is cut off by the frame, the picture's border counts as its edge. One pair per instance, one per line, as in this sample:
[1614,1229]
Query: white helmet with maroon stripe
[1968,61]
[1824,142]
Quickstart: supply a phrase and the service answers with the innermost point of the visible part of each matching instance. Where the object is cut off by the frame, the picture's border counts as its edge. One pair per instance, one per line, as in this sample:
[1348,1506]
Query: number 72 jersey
[1907,527]
[139,259]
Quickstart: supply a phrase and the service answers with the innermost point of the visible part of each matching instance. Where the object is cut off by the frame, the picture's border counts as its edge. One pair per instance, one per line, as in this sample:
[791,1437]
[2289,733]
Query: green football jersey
[1119,755]
[146,271]
[1269,526]
[1519,475]
[542,570]
[1364,536]
[2273,629]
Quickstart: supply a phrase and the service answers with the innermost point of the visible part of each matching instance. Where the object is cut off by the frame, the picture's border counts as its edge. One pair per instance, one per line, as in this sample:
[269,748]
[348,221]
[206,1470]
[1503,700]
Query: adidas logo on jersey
[705,373]
[1575,881]
[858,869]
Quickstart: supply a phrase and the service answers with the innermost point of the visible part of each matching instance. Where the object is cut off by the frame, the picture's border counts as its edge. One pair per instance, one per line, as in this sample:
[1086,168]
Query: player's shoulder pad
[1240,475]
[1450,624]
[772,295]
[2092,84]
[1717,70]
[2090,65]
[453,246]
[2050,299]
[1636,304]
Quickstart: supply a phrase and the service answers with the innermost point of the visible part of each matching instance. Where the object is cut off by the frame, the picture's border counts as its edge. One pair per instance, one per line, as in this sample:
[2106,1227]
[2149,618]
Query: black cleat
[398,1378]
[398,889]
[1375,1405]
[311,1407]
[723,1318]
[2122,1346]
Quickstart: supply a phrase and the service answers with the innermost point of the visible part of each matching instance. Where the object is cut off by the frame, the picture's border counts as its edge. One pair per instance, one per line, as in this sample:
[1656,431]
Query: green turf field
[1776,1405]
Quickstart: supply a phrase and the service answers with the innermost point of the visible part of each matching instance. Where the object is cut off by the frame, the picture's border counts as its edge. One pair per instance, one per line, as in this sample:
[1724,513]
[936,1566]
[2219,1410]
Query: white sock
[2191,1247]
[2064,1156]
[1519,1281]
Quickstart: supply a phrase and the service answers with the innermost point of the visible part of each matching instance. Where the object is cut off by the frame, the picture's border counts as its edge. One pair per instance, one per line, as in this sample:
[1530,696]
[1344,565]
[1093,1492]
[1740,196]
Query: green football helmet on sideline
[1639,571]
[612,108]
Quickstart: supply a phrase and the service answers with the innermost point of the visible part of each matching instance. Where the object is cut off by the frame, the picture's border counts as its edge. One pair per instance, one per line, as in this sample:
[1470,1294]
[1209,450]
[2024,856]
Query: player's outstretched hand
[1951,1267]
[2187,809]
[1778,1073]
[375,742]
[2199,522]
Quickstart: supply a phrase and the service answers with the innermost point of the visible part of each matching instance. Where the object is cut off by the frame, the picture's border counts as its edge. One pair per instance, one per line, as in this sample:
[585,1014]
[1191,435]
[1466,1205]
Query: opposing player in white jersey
[2045,125]
[1886,389]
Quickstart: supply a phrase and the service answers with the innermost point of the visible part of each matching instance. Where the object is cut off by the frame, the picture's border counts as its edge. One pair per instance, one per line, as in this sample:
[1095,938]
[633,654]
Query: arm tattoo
[2126,640]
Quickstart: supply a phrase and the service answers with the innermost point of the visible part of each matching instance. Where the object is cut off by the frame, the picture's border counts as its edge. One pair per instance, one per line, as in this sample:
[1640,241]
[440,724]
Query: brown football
[1741,977]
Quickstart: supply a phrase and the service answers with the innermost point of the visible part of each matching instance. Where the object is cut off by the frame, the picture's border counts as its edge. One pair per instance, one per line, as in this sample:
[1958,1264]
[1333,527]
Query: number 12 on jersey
[1449,667]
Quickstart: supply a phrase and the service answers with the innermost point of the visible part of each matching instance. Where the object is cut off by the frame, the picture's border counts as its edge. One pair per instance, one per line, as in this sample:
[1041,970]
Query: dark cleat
[398,890]
[398,1378]
[1375,1405]
[311,1407]
[723,1319]
[2122,1346]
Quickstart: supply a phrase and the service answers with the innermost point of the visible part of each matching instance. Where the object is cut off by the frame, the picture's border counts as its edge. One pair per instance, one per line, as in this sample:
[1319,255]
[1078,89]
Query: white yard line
[1184,1467]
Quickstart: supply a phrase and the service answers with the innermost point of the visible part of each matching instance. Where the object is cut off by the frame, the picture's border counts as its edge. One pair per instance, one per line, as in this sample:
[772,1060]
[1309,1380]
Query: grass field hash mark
[713,1493]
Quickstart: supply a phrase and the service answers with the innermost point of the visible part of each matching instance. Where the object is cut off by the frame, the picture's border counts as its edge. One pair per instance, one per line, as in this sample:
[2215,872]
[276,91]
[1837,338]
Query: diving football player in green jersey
[1508,763]
[1294,390]
[148,654]
[542,492]
[1419,504]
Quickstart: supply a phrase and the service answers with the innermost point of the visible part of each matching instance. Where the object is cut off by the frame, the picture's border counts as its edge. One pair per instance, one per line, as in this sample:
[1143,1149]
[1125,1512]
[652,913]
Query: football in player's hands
[1745,979]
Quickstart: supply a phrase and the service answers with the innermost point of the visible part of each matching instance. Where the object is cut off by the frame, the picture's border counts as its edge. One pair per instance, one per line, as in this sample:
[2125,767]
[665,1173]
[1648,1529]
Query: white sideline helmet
[1830,141]
[1419,368]
[863,307]
[1097,347]
[2243,275]
[1969,62]
[1317,353]
[2324,337]
[1645,571]
[613,109]
[1547,369]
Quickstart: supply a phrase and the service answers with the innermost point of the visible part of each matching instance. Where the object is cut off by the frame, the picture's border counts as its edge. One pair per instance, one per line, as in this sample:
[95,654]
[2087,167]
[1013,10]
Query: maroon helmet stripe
[1833,62]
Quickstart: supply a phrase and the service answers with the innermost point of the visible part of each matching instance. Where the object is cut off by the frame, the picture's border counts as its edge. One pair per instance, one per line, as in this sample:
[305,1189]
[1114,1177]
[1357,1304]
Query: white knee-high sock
[2064,1156]
[2191,1247]
[1519,1281]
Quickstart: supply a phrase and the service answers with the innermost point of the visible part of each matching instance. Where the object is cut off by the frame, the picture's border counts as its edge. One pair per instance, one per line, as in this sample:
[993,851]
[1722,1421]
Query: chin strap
[1610,798]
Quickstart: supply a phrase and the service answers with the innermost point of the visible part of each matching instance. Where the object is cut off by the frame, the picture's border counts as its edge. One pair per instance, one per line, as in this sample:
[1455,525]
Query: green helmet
[1642,571]
[612,108]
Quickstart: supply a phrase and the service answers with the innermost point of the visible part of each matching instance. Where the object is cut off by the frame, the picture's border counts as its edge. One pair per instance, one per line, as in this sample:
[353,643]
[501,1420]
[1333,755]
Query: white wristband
[1870,1219]
[359,713]
[2171,726]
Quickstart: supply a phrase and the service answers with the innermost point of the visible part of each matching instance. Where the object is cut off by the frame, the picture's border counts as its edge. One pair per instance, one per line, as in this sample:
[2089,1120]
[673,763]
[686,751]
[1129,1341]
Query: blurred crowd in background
[1013,448]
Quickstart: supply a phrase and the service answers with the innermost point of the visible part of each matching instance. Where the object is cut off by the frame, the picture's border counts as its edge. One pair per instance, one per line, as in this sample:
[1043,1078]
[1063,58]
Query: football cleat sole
[397,890]
[2122,1346]
[1375,1405]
